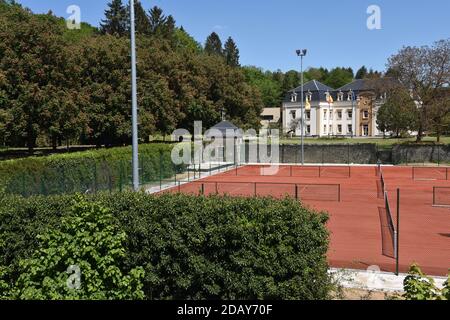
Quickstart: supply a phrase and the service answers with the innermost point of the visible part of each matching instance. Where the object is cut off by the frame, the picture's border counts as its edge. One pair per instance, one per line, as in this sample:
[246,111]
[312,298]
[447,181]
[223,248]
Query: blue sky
[269,31]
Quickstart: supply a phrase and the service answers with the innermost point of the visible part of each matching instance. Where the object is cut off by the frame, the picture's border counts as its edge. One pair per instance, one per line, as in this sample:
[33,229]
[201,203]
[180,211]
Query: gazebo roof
[226,127]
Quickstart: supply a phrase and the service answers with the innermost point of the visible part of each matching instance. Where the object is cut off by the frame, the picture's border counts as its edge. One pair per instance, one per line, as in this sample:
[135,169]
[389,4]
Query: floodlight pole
[134,112]
[301,54]
[353,113]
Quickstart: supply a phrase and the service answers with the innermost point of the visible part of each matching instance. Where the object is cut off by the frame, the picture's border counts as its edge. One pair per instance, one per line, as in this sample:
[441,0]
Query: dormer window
[309,96]
[340,96]
[350,96]
[294,97]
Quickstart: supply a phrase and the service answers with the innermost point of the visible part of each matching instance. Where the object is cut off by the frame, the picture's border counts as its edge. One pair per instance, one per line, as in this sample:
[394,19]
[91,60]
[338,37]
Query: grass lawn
[379,141]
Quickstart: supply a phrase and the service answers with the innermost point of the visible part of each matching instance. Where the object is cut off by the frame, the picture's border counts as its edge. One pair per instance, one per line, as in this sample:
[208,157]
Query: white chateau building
[351,110]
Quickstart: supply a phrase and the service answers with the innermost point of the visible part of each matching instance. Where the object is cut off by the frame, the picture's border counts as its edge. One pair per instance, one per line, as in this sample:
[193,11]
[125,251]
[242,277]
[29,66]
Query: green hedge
[194,247]
[105,169]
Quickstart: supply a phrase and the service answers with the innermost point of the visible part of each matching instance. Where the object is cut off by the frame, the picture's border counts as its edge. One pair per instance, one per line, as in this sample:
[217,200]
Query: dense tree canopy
[116,19]
[425,72]
[399,114]
[57,85]
[213,44]
[231,53]
[361,73]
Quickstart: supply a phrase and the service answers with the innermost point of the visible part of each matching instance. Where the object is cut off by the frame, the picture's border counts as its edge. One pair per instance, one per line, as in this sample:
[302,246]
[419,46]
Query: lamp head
[302,53]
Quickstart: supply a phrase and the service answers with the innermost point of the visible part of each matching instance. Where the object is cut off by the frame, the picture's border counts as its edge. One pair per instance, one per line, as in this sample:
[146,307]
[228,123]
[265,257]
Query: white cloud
[220,27]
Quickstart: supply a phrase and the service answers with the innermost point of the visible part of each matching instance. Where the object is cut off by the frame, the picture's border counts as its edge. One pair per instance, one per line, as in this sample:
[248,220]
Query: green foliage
[339,77]
[190,247]
[399,114]
[4,275]
[271,91]
[75,84]
[231,53]
[89,240]
[107,169]
[184,41]
[361,73]
[213,45]
[142,22]
[419,286]
[116,16]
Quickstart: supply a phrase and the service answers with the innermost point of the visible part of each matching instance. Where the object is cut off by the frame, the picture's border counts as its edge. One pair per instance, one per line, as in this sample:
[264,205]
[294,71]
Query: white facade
[351,113]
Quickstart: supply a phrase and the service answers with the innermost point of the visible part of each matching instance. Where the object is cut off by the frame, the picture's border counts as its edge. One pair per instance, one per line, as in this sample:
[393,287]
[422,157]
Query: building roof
[319,90]
[378,84]
[226,128]
[225,125]
[315,88]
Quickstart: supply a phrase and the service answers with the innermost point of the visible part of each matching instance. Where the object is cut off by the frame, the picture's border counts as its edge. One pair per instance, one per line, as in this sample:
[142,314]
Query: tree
[169,27]
[291,80]
[339,77]
[183,41]
[424,71]
[213,44]
[319,74]
[157,21]
[231,53]
[116,19]
[270,89]
[399,114]
[373,74]
[34,61]
[361,73]
[141,19]
[105,89]
[439,113]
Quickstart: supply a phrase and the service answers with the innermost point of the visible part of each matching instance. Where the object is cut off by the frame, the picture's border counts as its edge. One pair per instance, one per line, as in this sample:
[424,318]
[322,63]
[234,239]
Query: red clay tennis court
[361,233]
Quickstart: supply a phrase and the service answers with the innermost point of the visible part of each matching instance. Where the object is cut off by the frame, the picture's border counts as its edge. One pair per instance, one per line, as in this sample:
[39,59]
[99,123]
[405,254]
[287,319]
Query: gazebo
[231,135]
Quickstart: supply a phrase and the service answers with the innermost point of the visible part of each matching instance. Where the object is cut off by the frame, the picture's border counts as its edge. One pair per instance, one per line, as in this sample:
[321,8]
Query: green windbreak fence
[86,174]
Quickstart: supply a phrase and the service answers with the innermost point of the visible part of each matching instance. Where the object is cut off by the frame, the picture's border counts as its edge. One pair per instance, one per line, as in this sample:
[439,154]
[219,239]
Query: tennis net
[441,196]
[312,192]
[388,230]
[293,171]
[430,173]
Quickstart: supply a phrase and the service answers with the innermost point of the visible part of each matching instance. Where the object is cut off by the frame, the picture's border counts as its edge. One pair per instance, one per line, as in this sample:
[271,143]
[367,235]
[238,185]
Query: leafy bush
[418,286]
[107,169]
[194,247]
[89,244]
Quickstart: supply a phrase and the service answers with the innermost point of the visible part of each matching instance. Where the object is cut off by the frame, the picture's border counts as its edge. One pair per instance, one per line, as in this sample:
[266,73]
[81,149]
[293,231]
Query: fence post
[348,153]
[339,193]
[397,236]
[323,150]
[255,189]
[160,171]
[110,184]
[203,189]
[296,192]
[434,196]
[95,176]
[120,176]
[439,156]
[175,170]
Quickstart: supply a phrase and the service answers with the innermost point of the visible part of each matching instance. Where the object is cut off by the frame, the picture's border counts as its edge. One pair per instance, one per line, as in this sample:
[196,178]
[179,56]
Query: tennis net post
[397,236]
